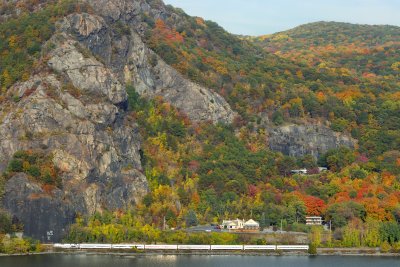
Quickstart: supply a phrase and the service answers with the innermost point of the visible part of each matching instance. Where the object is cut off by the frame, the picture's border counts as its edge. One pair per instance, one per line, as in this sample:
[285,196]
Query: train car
[194,247]
[259,247]
[66,246]
[292,247]
[226,247]
[161,247]
[95,246]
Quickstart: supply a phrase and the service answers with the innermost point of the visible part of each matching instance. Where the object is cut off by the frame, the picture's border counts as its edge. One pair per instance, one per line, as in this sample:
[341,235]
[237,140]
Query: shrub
[34,171]
[277,118]
[15,165]
[396,247]
[312,249]
[385,247]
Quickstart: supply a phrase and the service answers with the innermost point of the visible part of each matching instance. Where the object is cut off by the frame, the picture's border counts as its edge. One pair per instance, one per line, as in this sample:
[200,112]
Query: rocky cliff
[74,110]
[89,138]
[129,57]
[299,140]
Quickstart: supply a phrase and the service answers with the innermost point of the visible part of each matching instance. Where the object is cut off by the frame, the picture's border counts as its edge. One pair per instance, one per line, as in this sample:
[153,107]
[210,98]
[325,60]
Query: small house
[251,225]
[232,224]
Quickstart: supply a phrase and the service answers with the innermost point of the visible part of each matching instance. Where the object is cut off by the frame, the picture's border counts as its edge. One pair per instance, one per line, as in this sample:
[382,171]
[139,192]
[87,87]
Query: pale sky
[257,17]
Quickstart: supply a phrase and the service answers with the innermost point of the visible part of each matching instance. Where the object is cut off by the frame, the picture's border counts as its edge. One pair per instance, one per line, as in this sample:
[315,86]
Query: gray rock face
[139,65]
[86,73]
[198,102]
[46,215]
[113,10]
[91,142]
[299,140]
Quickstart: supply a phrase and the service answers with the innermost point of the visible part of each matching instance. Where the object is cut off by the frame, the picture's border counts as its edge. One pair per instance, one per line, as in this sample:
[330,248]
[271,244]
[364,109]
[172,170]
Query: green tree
[389,232]
[191,218]
[342,213]
[5,222]
[277,118]
[371,236]
[336,159]
[351,236]
[316,235]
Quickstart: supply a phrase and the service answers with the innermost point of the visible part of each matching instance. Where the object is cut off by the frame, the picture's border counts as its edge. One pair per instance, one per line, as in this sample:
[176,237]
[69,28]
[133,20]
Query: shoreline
[202,253]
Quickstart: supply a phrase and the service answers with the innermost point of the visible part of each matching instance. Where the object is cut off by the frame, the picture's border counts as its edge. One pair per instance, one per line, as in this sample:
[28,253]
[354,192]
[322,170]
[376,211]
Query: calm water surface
[195,261]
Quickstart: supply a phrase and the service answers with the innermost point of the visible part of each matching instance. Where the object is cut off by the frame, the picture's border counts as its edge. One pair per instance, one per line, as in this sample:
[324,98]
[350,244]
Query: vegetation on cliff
[37,165]
[22,38]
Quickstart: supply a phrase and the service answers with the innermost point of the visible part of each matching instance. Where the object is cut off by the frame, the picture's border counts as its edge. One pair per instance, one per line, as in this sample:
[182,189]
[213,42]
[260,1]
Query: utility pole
[164,224]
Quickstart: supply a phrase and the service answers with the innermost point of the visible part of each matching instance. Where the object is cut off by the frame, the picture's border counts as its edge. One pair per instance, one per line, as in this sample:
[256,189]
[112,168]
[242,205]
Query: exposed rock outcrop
[299,140]
[44,216]
[140,66]
[90,139]
[86,73]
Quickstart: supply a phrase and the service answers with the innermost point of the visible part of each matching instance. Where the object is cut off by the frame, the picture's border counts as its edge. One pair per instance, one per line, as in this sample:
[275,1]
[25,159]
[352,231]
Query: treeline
[120,227]
[370,233]
[126,227]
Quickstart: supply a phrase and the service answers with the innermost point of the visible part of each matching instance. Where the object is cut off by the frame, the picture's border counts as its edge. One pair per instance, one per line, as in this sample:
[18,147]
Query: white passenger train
[185,247]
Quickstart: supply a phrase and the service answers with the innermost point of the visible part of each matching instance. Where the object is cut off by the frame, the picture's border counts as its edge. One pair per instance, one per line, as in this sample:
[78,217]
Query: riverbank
[320,252]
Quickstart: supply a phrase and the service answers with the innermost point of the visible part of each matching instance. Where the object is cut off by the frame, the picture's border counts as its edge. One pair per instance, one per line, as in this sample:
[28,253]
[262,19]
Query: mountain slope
[131,105]
[73,112]
[368,54]
[357,49]
[264,87]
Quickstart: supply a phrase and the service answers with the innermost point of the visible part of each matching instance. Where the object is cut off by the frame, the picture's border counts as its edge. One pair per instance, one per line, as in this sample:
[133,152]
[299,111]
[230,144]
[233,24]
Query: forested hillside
[340,75]
[369,54]
[361,49]
[284,87]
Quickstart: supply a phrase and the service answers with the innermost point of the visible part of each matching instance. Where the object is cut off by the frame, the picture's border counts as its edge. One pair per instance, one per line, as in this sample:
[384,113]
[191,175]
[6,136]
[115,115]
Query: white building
[322,169]
[304,171]
[251,225]
[240,225]
[232,224]
[301,171]
[313,220]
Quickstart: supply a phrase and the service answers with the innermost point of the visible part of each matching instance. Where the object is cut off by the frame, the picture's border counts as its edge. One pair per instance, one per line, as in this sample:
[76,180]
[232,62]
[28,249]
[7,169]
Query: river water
[60,260]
